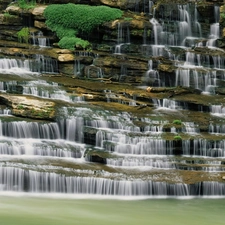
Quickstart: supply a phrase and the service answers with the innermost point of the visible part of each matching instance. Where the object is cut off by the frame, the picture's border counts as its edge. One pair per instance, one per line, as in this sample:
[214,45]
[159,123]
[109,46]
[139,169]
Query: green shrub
[177,138]
[7,14]
[23,35]
[71,42]
[177,122]
[70,20]
[26,4]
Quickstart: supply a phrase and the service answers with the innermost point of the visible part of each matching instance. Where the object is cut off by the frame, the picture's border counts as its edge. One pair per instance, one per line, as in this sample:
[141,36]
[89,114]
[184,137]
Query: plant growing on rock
[177,122]
[23,35]
[25,4]
[177,138]
[70,20]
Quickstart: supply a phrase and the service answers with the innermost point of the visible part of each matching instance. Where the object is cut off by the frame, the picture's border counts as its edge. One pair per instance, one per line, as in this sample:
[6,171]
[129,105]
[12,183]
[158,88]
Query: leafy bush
[69,20]
[26,4]
[177,138]
[23,35]
[70,42]
[177,122]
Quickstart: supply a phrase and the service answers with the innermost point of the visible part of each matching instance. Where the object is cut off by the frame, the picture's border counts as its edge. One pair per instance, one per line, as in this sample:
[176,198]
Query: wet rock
[97,159]
[29,107]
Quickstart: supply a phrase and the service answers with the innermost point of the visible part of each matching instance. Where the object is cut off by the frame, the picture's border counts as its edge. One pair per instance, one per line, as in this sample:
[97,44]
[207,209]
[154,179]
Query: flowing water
[48,170]
[49,211]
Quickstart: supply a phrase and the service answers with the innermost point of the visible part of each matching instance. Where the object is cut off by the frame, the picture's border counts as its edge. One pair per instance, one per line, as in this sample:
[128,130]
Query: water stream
[63,156]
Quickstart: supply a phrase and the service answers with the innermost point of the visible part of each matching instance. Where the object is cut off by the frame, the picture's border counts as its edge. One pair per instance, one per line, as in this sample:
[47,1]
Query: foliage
[7,14]
[23,35]
[70,42]
[177,138]
[128,19]
[26,4]
[177,122]
[69,20]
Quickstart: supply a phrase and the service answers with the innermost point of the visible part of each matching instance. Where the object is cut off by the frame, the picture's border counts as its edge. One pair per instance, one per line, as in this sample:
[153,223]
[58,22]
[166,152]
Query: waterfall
[77,67]
[184,24]
[168,104]
[40,40]
[218,110]
[15,179]
[145,153]
[214,28]
[152,76]
[123,37]
[41,64]
[203,147]
[15,66]
[44,64]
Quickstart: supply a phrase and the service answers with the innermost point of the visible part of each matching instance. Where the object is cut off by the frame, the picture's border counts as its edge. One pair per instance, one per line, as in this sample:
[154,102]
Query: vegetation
[128,19]
[177,138]
[177,122]
[7,14]
[26,4]
[222,15]
[70,20]
[23,35]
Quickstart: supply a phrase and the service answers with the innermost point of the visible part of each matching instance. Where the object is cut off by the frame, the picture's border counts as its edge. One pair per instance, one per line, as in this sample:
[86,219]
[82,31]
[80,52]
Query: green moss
[70,20]
[26,4]
[177,138]
[23,35]
[70,42]
[128,19]
[177,122]
[20,107]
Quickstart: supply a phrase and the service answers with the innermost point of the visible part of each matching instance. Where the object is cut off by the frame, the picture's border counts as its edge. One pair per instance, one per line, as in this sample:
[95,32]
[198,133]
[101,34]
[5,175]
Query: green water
[49,211]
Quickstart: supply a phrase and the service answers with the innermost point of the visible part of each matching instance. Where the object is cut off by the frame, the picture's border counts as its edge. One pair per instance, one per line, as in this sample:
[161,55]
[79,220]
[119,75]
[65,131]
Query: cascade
[77,67]
[216,128]
[41,89]
[190,128]
[152,76]
[123,37]
[15,66]
[41,64]
[44,64]
[94,71]
[214,29]
[168,104]
[33,181]
[40,40]
[60,156]
[218,110]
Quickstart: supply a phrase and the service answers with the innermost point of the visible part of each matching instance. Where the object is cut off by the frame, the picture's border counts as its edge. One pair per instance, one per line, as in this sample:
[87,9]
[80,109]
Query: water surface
[26,210]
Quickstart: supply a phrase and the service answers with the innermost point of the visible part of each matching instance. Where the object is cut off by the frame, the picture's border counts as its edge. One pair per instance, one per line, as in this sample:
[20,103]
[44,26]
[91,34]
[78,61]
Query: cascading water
[40,40]
[54,157]
[123,37]
[40,64]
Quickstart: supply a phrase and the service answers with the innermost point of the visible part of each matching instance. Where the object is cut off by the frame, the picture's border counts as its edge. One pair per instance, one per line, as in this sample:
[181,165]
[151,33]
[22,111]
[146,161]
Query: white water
[44,157]
[123,37]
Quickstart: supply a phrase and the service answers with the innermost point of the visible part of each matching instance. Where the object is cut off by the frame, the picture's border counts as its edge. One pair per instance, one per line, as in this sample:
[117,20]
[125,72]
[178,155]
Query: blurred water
[48,211]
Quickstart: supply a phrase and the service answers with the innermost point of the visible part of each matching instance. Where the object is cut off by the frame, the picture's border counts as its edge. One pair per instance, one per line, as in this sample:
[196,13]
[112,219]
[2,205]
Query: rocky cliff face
[116,55]
[162,63]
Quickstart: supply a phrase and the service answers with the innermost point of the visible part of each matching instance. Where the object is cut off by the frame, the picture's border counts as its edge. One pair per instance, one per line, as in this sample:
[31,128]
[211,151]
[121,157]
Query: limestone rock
[40,25]
[38,11]
[29,107]
[66,57]
[122,4]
